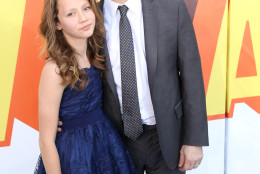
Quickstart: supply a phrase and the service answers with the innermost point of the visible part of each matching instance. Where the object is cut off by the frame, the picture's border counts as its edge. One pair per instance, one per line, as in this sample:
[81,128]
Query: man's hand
[59,124]
[190,157]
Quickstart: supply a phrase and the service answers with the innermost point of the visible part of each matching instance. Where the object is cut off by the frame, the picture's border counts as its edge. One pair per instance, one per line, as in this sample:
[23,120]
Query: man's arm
[195,125]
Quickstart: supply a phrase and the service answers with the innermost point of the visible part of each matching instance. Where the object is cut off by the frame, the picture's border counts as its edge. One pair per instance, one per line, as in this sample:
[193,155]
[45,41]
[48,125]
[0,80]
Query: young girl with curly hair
[70,89]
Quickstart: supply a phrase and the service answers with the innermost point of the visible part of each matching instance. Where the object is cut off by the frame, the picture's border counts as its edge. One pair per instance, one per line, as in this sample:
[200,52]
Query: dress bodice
[89,142]
[76,102]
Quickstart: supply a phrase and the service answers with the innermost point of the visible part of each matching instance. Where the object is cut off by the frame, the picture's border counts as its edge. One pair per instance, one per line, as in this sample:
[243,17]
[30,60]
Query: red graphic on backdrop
[246,65]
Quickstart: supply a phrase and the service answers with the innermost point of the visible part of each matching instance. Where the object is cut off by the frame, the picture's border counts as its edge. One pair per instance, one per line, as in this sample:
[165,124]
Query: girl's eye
[70,14]
[87,8]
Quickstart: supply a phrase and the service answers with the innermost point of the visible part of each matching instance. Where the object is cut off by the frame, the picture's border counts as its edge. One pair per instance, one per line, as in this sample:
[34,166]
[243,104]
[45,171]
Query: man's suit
[175,79]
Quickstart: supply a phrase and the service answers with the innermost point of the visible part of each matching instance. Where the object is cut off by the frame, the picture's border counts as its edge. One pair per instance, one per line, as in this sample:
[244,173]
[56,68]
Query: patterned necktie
[131,112]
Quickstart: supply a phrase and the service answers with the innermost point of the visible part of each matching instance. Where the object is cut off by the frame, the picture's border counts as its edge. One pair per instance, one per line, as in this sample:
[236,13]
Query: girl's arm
[50,93]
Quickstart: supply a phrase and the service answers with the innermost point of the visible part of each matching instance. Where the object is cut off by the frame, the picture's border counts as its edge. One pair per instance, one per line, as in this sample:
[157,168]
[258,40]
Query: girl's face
[76,19]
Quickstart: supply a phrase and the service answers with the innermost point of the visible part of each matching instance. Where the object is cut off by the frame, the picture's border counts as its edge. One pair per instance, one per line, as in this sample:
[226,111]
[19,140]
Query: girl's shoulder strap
[48,59]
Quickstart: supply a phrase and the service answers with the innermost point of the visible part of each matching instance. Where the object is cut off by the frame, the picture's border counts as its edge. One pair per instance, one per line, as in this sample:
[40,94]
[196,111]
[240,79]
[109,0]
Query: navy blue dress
[88,143]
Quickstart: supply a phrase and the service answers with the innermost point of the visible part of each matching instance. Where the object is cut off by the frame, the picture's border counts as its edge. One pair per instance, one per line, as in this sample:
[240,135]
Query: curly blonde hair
[63,54]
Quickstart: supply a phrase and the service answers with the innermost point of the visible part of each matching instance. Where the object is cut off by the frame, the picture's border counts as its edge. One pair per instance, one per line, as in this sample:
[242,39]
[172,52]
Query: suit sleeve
[195,126]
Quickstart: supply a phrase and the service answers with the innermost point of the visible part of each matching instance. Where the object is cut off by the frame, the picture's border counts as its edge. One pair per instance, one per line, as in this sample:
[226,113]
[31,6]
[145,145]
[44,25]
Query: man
[154,92]
[168,79]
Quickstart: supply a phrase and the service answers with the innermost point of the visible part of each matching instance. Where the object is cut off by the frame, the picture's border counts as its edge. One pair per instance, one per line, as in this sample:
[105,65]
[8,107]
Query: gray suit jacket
[175,79]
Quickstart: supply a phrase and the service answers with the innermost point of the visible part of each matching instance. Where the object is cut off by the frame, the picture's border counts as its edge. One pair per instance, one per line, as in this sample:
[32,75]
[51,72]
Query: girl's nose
[83,17]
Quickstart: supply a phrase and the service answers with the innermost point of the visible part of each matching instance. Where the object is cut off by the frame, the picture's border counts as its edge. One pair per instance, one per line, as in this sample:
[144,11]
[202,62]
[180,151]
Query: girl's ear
[58,27]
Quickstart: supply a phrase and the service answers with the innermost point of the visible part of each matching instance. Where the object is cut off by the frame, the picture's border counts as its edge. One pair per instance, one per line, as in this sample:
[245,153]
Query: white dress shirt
[135,17]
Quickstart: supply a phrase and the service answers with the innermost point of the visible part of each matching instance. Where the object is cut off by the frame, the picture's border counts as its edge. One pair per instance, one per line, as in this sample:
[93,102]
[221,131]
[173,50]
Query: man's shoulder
[168,7]
[171,2]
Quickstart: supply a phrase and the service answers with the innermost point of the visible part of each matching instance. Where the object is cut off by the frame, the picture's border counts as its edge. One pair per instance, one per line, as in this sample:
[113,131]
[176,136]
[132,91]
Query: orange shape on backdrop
[24,104]
[252,102]
[207,23]
[24,100]
[246,65]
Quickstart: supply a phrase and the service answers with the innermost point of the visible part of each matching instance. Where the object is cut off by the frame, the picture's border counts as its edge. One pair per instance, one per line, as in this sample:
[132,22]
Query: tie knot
[123,9]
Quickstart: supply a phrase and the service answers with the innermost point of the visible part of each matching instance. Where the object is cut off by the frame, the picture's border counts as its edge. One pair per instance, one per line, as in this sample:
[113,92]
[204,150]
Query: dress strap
[48,59]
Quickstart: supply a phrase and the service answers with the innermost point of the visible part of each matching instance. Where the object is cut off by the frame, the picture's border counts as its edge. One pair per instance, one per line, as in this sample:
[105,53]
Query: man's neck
[120,1]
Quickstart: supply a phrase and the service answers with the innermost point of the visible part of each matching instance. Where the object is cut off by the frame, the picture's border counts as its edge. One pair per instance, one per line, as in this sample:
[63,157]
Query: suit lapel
[108,72]
[150,18]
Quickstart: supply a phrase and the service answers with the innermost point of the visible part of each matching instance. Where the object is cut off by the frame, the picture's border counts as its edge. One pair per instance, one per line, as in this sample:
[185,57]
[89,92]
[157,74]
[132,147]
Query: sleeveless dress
[89,143]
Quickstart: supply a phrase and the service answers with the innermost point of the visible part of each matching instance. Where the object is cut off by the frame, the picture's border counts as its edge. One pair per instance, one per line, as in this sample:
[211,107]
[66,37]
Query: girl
[71,90]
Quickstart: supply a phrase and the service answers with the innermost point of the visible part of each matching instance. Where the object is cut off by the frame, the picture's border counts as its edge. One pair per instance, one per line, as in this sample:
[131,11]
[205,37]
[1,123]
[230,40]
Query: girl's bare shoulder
[50,72]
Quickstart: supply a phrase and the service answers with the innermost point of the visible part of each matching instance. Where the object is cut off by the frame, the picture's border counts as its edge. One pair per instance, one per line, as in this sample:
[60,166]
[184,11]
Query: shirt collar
[134,6]
[110,7]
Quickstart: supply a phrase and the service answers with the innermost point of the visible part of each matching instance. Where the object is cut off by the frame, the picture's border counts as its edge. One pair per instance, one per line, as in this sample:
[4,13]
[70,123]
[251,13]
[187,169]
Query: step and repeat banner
[229,43]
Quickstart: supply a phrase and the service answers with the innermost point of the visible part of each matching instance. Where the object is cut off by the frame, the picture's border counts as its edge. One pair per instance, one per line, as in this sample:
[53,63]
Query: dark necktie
[131,112]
